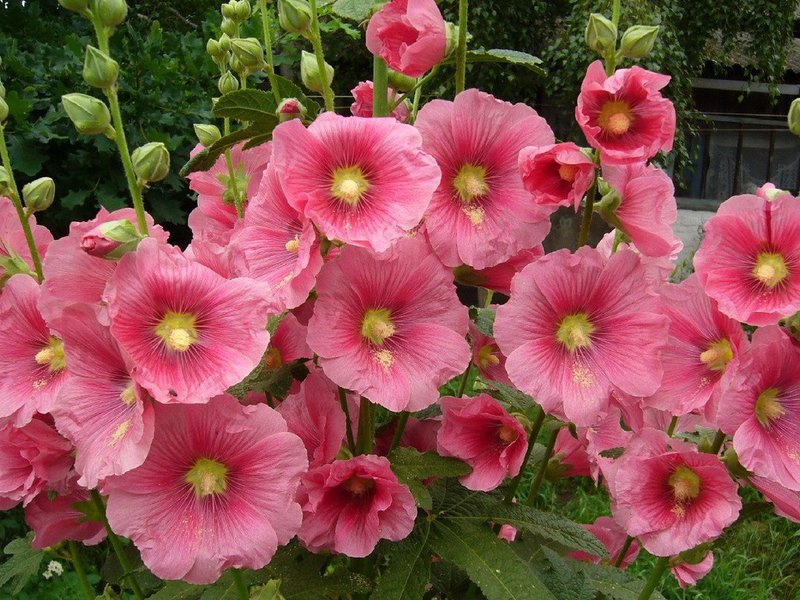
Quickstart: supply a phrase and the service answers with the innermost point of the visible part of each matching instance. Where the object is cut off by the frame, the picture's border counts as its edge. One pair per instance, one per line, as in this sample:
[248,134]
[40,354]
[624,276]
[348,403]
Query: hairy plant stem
[351,443]
[719,439]
[266,29]
[462,387]
[461,51]
[655,577]
[241,587]
[80,570]
[415,89]
[117,546]
[398,432]
[536,427]
[537,481]
[611,56]
[621,556]
[672,425]
[364,443]
[586,221]
[380,85]
[16,200]
[316,42]
[238,201]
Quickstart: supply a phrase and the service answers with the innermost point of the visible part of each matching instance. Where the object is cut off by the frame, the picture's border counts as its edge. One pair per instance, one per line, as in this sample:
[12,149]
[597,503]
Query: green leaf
[178,590]
[246,105]
[23,564]
[511,57]
[355,10]
[270,591]
[224,588]
[484,321]
[489,561]
[202,161]
[514,399]
[410,464]
[565,581]
[611,582]
[409,570]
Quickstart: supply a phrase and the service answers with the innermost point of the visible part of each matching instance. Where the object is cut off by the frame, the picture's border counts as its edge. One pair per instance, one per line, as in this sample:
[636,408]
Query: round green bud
[249,52]
[111,12]
[5,182]
[214,48]
[3,110]
[243,10]
[229,10]
[39,194]
[228,26]
[793,118]
[207,134]
[225,42]
[309,72]
[89,115]
[99,69]
[601,34]
[227,83]
[638,41]
[294,16]
[400,82]
[151,162]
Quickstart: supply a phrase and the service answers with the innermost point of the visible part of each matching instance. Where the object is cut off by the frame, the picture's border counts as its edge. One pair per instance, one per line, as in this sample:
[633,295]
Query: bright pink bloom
[33,458]
[365,182]
[479,431]
[657,269]
[612,536]
[13,245]
[498,278]
[507,533]
[56,519]
[391,330]
[211,255]
[288,344]
[578,327]
[786,502]
[112,433]
[364,94]
[703,345]
[216,491]
[689,574]
[749,259]
[486,356]
[760,407]
[671,496]
[191,333]
[277,246]
[605,434]
[32,364]
[768,191]
[556,175]
[350,505]
[571,455]
[624,115]
[481,215]
[648,209]
[410,35]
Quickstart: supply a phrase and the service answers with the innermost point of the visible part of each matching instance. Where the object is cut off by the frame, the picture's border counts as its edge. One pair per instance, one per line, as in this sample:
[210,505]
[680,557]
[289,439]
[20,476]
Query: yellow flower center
[349,185]
[486,358]
[575,331]
[177,330]
[377,325]
[52,355]
[717,356]
[470,183]
[768,407]
[207,477]
[615,117]
[359,486]
[567,173]
[506,434]
[770,269]
[128,395]
[685,484]
[293,245]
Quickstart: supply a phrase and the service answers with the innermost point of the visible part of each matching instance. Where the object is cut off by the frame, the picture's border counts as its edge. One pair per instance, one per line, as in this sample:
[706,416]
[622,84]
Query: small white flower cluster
[53,568]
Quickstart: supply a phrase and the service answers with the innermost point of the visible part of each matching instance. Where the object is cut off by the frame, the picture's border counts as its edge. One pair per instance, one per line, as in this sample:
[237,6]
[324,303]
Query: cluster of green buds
[295,16]
[601,36]
[234,54]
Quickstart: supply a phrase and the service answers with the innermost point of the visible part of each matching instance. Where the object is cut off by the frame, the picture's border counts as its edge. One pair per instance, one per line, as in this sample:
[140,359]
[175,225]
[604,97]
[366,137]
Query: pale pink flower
[190,333]
[392,330]
[624,115]
[613,537]
[498,278]
[749,259]
[657,269]
[15,255]
[768,191]
[364,94]
[578,327]
[556,175]
[606,434]
[410,35]
[54,519]
[486,356]
[216,491]
[507,532]
[689,574]
[350,505]
[479,431]
[482,215]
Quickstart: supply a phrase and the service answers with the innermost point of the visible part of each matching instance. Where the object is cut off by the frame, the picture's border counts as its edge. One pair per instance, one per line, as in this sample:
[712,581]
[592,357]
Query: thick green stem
[535,429]
[655,577]
[80,570]
[586,222]
[415,105]
[621,556]
[364,444]
[672,425]
[351,443]
[16,200]
[238,201]
[537,481]
[266,29]
[398,432]
[380,84]
[316,41]
[615,11]
[719,439]
[461,51]
[241,587]
[462,387]
[117,546]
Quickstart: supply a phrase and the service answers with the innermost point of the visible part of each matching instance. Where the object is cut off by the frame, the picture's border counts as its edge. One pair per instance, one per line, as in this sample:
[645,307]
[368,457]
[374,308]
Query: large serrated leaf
[409,568]
[564,580]
[355,10]
[246,105]
[613,583]
[23,564]
[408,463]
[487,560]
[484,321]
[511,57]
[512,398]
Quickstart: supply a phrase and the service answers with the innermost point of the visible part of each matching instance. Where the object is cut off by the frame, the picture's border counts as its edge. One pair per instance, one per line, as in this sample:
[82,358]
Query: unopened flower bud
[89,115]
[3,110]
[225,42]
[290,108]
[601,34]
[794,117]
[39,194]
[5,182]
[77,6]
[242,10]
[451,31]
[229,10]
[2,90]
[227,83]
[111,239]
[309,72]
[400,82]
[207,134]
[248,51]
[214,49]
[294,16]
[151,162]
[637,41]
[236,65]
[99,69]
[111,12]
[228,26]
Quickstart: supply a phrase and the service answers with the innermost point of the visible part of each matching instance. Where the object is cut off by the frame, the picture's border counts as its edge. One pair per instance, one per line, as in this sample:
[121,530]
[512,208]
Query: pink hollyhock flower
[71,276]
[216,491]
[32,364]
[392,330]
[486,356]
[507,533]
[571,455]
[786,502]
[481,215]
[606,434]
[33,459]
[215,216]
[760,407]
[410,35]
[315,416]
[288,344]
[211,255]
[365,182]
[768,191]
[112,433]
[191,333]
[498,278]
[578,327]
[15,255]
[703,345]
[350,505]
[556,175]
[657,269]
[749,259]
[364,94]
[277,246]
[624,115]
[479,431]
[670,496]
[613,537]
[648,209]
[689,574]
[55,519]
